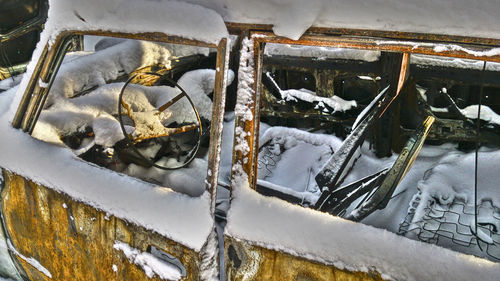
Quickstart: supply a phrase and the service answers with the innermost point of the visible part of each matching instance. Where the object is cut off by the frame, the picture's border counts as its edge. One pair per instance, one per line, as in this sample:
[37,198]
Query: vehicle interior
[337,135]
[160,131]
[339,130]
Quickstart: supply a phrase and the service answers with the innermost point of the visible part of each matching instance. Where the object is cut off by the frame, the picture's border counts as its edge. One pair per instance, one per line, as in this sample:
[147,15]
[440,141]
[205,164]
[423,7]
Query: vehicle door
[118,159]
[326,162]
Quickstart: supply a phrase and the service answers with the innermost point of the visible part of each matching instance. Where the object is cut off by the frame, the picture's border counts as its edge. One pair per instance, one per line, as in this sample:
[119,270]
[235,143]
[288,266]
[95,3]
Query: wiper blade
[381,197]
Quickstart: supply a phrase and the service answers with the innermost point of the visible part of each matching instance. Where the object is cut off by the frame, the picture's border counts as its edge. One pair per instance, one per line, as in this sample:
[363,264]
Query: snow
[291,17]
[66,113]
[245,81]
[95,69]
[272,222]
[453,177]
[7,267]
[486,114]
[151,265]
[280,149]
[451,47]
[209,265]
[321,53]
[439,48]
[176,216]
[453,62]
[10,82]
[175,18]
[336,103]
[170,17]
[275,224]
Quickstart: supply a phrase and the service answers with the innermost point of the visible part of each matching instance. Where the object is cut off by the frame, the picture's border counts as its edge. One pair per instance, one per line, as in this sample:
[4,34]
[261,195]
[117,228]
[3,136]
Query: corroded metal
[217,120]
[250,128]
[74,241]
[236,28]
[6,72]
[245,262]
[389,45]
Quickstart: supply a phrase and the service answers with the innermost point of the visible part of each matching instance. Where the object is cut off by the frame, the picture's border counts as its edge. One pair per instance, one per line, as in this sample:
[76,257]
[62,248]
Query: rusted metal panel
[219,100]
[245,262]
[74,241]
[251,127]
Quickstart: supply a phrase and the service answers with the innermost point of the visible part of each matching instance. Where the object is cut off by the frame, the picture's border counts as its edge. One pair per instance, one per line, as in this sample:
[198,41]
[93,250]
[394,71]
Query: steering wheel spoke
[149,125]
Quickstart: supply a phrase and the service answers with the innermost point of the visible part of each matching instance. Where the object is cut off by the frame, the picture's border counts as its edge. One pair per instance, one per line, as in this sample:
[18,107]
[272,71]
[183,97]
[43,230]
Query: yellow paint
[76,243]
[245,262]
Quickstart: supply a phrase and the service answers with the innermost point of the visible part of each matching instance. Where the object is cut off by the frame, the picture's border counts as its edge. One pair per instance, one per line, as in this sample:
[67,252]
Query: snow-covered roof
[170,17]
[292,17]
[289,18]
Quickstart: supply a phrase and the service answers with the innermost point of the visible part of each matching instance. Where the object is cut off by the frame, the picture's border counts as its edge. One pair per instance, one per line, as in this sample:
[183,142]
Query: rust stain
[74,241]
[389,45]
[245,262]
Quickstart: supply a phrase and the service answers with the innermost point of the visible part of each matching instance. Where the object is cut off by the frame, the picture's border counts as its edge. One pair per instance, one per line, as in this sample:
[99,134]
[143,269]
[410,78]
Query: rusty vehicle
[167,148]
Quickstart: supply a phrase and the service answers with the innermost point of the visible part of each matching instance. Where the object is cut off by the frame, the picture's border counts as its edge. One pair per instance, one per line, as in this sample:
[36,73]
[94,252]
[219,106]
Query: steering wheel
[148,126]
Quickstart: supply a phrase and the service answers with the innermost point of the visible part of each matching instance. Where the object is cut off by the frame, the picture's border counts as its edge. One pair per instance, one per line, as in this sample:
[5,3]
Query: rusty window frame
[35,95]
[367,40]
